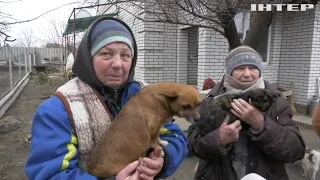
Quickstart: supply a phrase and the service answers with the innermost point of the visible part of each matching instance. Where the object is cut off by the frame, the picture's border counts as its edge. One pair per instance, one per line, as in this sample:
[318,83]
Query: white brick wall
[160,52]
[182,56]
[192,55]
[213,48]
[315,56]
[296,46]
[165,51]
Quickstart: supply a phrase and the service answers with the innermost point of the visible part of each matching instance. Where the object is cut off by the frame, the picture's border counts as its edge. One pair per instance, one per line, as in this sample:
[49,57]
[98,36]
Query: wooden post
[30,62]
[19,61]
[25,64]
[10,72]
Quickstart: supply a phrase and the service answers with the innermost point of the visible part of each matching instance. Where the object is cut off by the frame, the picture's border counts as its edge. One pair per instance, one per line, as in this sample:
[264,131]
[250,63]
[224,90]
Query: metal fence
[52,55]
[14,64]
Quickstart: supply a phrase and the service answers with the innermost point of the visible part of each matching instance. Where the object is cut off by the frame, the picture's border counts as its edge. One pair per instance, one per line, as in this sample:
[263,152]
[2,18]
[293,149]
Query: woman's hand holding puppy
[229,133]
[247,113]
[150,166]
[129,172]
[144,168]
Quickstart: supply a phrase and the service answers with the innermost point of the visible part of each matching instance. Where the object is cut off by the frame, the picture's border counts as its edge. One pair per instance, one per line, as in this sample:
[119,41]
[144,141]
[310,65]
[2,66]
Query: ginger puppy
[136,129]
[316,119]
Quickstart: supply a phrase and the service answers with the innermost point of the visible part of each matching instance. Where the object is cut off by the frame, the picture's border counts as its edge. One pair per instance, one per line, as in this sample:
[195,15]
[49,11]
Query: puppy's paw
[196,167]
[162,153]
[162,142]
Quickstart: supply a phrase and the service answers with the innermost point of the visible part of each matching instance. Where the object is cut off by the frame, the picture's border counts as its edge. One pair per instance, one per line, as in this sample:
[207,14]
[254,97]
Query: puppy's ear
[170,94]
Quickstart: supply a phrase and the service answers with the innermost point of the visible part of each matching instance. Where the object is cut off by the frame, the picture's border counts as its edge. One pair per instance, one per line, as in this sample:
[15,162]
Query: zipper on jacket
[116,95]
[112,104]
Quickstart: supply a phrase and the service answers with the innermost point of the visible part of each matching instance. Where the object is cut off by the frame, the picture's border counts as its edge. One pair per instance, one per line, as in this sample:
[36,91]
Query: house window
[242,20]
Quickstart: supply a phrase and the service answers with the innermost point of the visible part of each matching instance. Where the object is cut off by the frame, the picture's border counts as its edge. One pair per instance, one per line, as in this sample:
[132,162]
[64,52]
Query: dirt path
[15,127]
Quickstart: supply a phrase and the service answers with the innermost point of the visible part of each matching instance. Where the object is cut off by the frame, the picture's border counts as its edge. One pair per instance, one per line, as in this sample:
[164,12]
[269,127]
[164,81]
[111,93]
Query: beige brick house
[169,52]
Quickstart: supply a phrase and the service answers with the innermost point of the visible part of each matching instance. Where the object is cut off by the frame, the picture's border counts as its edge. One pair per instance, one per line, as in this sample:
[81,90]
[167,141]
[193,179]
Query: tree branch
[192,13]
[226,16]
[259,25]
[159,19]
[205,13]
[10,1]
[7,36]
[29,20]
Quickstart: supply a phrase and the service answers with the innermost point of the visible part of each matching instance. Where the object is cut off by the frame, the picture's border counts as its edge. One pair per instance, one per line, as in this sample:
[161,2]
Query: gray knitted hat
[242,55]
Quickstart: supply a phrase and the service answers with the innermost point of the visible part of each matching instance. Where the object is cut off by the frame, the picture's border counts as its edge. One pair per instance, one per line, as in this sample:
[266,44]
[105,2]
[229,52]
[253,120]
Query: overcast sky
[28,9]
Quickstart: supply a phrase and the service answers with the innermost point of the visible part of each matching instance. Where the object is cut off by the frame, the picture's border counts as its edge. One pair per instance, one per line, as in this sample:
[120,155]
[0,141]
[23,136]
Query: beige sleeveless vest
[88,115]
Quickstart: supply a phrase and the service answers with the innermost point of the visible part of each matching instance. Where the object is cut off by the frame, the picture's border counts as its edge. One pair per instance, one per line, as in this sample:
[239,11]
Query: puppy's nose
[190,119]
[196,116]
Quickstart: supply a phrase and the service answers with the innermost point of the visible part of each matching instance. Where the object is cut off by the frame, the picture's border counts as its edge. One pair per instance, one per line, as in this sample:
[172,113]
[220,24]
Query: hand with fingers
[150,166]
[248,113]
[229,133]
[129,172]
[143,169]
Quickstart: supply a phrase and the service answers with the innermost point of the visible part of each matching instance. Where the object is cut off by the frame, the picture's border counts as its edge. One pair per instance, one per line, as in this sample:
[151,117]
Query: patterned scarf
[234,86]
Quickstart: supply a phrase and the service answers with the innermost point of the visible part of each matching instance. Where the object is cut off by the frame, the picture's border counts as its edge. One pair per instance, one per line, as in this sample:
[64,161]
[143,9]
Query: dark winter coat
[278,143]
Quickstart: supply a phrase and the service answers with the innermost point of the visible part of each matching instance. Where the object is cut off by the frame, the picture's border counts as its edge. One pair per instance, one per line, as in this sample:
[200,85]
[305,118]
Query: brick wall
[160,52]
[314,72]
[193,55]
[213,47]
[165,51]
[296,47]
[182,55]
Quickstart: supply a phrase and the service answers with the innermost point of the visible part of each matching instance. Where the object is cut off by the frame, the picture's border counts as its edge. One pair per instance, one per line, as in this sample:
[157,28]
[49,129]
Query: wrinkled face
[246,73]
[186,103]
[112,64]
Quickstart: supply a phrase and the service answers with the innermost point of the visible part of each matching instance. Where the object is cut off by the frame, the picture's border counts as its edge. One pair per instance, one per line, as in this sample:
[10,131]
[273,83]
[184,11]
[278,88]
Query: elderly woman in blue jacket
[66,127]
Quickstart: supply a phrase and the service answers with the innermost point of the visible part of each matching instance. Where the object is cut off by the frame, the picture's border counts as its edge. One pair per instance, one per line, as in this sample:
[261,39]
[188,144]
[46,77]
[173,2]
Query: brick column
[213,47]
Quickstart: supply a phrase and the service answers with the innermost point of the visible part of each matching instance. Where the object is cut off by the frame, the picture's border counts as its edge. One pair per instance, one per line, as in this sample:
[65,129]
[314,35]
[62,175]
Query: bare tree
[26,38]
[6,19]
[53,32]
[213,14]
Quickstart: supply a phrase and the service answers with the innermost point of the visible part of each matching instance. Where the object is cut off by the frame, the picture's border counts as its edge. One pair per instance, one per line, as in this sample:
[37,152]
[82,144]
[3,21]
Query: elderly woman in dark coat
[272,140]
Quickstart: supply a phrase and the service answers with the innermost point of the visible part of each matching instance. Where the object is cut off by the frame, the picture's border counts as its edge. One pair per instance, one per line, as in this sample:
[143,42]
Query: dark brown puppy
[220,109]
[136,129]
